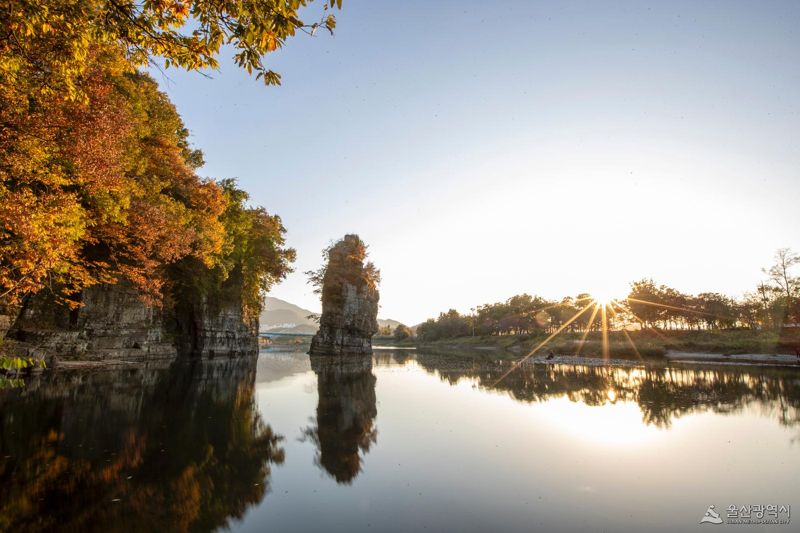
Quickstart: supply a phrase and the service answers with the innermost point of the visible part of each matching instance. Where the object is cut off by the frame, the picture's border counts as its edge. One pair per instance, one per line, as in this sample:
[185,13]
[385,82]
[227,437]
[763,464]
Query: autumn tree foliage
[104,191]
[253,257]
[44,45]
[402,332]
[97,178]
[98,191]
[344,263]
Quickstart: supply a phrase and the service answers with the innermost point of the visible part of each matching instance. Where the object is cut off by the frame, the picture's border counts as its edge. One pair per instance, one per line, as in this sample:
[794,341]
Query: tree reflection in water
[662,392]
[346,411]
[179,448]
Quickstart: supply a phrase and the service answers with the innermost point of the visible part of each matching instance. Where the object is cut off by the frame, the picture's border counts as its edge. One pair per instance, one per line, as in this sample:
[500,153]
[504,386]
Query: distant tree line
[773,304]
[402,332]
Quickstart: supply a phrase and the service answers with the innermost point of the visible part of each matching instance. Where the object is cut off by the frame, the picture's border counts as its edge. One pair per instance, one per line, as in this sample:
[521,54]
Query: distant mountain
[280,316]
[383,322]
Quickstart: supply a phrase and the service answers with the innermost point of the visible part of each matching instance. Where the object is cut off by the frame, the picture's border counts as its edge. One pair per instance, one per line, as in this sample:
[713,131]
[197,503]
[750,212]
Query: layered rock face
[349,302]
[114,324]
[210,329]
[347,328]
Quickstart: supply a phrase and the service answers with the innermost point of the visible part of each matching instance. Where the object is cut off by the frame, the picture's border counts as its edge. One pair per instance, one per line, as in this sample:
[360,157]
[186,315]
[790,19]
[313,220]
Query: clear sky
[484,149]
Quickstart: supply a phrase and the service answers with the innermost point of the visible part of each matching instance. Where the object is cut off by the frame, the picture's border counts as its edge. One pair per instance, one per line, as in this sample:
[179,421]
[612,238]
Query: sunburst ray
[588,329]
[604,326]
[627,336]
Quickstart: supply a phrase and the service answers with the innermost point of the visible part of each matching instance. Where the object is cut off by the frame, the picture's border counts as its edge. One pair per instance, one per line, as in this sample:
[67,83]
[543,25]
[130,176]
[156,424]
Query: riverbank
[736,345]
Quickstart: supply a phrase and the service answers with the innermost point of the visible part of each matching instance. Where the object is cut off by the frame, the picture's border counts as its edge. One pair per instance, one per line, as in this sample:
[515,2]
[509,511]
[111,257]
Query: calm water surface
[420,442]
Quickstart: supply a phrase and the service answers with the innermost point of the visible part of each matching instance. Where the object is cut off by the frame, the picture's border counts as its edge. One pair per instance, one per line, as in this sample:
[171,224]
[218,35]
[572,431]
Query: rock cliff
[349,301]
[114,324]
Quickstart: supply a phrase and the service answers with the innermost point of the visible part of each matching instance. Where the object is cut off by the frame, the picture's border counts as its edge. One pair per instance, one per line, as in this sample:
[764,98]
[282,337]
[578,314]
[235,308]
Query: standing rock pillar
[349,290]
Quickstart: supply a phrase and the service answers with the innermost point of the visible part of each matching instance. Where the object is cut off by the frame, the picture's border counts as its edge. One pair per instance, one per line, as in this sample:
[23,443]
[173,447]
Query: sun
[605,288]
[602,297]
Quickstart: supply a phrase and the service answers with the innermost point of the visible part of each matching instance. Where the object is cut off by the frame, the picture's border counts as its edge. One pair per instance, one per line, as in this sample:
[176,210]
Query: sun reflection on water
[615,423]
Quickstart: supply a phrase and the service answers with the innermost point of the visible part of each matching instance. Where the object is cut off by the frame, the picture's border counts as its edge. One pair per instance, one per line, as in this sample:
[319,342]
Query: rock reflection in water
[176,448]
[662,392]
[346,411]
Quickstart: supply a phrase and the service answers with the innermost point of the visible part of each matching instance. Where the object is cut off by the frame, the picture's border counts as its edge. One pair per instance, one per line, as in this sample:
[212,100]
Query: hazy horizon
[488,150]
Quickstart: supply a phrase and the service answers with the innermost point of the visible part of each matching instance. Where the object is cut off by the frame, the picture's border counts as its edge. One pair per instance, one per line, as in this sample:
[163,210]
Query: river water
[420,442]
